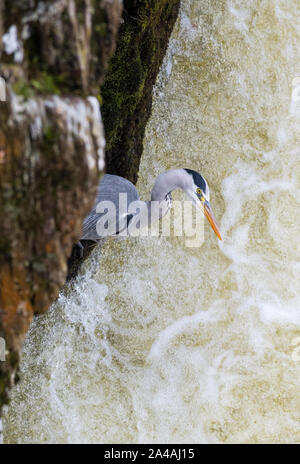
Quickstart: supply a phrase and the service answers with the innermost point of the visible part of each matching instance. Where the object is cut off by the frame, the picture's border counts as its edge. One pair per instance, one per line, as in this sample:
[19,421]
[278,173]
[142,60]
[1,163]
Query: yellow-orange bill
[209,214]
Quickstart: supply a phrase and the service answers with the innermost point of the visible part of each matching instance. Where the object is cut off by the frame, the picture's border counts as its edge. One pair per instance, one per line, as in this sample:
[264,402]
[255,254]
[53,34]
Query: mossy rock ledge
[53,59]
[127,90]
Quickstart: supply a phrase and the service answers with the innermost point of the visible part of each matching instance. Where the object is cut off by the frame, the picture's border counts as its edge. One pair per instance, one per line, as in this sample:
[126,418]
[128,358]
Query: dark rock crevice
[127,90]
[54,58]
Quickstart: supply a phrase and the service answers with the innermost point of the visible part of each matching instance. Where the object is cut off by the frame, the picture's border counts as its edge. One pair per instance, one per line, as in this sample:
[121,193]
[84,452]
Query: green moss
[42,84]
[101,44]
[49,136]
[23,88]
[46,83]
[127,90]
[101,29]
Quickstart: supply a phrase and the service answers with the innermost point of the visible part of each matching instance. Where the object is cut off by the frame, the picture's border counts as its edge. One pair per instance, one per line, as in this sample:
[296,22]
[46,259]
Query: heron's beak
[211,219]
[207,211]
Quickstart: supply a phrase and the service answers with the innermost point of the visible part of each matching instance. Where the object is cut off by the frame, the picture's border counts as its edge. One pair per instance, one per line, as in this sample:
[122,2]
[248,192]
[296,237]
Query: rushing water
[157,342]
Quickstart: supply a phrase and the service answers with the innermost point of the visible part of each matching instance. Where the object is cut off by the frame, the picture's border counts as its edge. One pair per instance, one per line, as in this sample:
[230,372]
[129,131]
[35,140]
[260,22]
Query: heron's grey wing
[110,187]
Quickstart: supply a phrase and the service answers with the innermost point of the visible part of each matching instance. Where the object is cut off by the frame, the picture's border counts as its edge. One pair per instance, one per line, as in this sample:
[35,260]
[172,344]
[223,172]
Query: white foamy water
[157,342]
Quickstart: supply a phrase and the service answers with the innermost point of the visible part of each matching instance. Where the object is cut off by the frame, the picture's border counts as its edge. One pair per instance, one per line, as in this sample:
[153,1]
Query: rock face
[127,91]
[53,59]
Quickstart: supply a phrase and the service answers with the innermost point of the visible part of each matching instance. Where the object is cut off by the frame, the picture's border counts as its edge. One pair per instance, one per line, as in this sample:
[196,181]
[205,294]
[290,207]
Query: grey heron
[111,186]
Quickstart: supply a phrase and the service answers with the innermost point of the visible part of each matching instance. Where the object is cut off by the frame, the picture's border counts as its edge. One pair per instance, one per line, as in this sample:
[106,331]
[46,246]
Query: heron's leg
[81,247]
[92,244]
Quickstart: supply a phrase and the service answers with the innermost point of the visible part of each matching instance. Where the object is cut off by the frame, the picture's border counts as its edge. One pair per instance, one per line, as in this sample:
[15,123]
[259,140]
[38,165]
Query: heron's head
[198,191]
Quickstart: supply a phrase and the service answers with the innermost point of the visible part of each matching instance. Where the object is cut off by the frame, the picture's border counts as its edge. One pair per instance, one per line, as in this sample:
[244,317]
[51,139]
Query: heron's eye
[200,193]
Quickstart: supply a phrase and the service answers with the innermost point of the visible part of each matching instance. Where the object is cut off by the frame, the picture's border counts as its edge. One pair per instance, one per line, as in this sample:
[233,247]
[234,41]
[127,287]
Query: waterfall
[159,343]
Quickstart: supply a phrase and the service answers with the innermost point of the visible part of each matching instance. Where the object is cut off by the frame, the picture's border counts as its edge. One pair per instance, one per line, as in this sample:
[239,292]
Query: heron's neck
[166,182]
[149,212]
